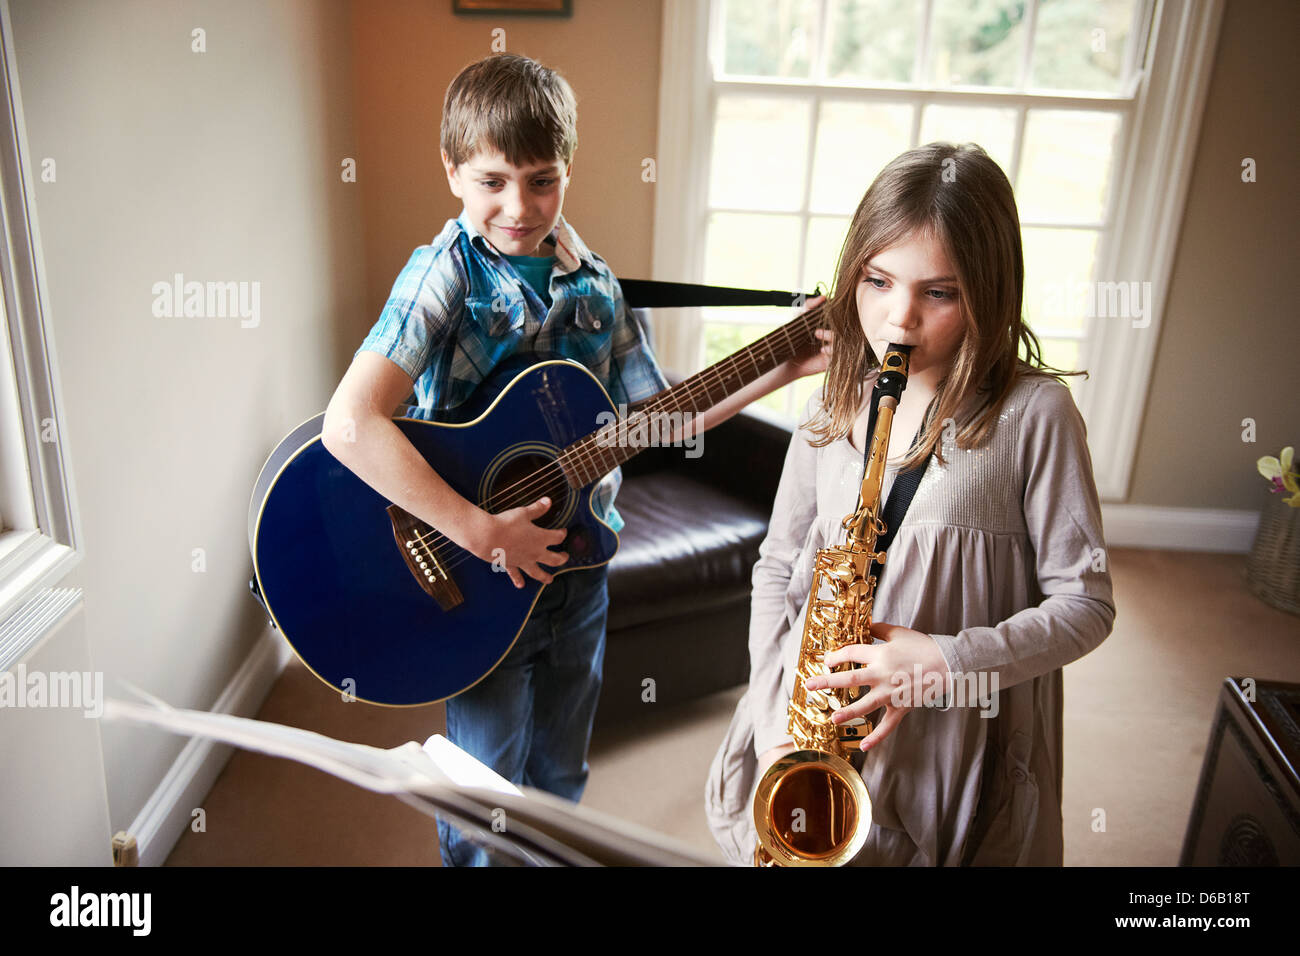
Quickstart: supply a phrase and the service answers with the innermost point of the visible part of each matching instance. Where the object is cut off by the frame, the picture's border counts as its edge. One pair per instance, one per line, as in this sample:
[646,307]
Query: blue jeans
[530,719]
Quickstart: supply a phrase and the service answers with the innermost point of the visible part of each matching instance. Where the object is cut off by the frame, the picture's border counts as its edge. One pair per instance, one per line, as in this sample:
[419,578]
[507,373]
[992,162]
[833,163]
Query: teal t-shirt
[536,271]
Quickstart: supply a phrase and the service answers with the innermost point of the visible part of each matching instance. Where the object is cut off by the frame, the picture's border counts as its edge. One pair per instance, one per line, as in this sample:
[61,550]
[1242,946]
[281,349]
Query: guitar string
[541,479]
[714,375]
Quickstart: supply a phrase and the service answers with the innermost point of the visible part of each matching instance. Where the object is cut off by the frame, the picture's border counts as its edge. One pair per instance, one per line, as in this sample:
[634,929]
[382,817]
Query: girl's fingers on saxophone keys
[882,730]
[857,653]
[853,678]
[867,704]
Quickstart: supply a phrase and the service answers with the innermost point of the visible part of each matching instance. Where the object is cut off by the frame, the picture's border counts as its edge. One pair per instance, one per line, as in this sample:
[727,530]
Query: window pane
[825,239]
[1080,44]
[778,401]
[854,142]
[769,37]
[803,389]
[872,41]
[994,129]
[760,152]
[1065,170]
[752,251]
[17,500]
[723,339]
[1058,272]
[976,42]
[1063,354]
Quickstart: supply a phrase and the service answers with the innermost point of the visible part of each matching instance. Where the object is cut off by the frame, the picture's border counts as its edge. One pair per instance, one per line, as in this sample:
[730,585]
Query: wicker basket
[1273,568]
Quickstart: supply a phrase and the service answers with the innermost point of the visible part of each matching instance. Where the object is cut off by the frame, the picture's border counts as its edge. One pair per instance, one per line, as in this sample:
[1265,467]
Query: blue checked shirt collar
[570,251]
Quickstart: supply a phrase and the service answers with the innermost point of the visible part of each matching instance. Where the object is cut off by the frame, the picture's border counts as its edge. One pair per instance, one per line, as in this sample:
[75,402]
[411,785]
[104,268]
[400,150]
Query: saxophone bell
[815,811]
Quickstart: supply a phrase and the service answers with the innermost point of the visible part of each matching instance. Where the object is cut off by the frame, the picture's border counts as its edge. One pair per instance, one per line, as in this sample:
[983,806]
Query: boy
[508,277]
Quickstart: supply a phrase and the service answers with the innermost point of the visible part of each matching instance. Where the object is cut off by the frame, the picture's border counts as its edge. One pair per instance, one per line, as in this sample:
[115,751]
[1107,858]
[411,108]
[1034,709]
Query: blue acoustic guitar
[382,607]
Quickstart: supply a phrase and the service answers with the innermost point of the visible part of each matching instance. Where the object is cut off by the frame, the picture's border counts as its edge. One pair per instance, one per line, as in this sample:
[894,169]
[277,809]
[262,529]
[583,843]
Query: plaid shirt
[459,308]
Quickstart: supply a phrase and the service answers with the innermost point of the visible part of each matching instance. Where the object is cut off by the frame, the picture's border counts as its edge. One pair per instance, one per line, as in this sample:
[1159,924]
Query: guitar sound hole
[523,480]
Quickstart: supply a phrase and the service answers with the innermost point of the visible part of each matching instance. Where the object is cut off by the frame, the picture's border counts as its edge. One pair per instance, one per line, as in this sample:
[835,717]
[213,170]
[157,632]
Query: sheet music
[464,769]
[438,777]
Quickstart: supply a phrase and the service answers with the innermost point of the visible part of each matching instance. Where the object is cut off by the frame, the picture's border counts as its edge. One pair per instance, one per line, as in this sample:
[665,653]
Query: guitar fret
[727,376]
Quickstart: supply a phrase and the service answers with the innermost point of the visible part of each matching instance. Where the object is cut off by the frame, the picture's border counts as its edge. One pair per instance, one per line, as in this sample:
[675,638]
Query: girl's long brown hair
[959,195]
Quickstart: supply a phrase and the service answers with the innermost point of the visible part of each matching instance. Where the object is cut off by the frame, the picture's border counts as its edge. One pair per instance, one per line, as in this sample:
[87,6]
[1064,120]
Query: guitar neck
[596,455]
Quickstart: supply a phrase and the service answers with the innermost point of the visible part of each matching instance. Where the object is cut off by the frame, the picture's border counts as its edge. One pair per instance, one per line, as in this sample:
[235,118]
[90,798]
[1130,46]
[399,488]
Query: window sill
[29,561]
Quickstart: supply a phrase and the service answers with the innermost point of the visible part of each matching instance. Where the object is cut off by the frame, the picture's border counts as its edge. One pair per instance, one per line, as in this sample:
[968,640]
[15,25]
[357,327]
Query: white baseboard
[1179,529]
[167,813]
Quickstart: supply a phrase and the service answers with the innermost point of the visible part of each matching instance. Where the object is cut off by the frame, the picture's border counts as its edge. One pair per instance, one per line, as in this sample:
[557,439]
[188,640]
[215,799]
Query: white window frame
[1146,197]
[39,545]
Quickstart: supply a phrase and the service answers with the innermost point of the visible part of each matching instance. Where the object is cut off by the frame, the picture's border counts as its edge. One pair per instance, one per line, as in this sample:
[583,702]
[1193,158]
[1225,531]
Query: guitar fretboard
[599,453]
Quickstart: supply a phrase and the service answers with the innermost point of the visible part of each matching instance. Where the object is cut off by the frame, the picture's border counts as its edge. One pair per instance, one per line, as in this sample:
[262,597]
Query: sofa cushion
[686,546]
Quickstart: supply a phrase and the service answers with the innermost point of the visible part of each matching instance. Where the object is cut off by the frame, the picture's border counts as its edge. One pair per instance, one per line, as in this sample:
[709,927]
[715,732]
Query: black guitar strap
[652,294]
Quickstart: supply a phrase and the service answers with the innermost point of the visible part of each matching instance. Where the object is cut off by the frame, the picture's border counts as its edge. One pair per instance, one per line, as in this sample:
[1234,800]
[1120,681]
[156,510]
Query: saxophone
[811,807]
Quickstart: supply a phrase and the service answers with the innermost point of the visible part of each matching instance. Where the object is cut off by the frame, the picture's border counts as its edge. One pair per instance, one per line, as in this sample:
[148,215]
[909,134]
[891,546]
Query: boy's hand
[511,538]
[812,363]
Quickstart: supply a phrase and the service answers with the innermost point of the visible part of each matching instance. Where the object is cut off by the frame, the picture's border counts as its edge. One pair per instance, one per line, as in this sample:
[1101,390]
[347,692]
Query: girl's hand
[891,673]
[812,363]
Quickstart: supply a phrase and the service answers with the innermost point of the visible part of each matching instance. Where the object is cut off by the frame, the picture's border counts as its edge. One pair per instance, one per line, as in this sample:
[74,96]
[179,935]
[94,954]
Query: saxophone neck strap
[901,492]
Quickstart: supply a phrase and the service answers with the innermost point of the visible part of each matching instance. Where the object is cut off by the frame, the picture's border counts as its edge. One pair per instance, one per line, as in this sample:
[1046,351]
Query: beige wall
[221,165]
[1231,334]
[408,51]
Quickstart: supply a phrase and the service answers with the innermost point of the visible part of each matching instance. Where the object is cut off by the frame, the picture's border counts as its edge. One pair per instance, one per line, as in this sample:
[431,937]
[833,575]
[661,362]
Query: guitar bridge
[422,560]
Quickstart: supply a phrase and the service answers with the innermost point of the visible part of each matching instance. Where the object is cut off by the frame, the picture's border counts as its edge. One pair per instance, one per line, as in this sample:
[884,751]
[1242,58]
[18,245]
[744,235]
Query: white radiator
[55,801]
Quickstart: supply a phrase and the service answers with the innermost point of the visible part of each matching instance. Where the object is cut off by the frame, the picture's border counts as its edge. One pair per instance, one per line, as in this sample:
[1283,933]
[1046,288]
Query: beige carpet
[1137,717]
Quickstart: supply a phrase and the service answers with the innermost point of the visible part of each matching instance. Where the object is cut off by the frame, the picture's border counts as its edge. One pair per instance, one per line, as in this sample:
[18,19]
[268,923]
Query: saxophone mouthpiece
[893,373]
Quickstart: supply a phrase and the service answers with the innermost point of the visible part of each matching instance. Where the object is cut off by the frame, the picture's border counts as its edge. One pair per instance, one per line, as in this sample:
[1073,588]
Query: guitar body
[335,572]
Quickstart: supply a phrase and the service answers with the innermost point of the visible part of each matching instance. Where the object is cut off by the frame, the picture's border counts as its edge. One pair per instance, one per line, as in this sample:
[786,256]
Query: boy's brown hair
[512,104]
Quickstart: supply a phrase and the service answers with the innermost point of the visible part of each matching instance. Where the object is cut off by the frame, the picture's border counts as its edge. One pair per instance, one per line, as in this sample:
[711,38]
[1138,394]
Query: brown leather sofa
[679,586]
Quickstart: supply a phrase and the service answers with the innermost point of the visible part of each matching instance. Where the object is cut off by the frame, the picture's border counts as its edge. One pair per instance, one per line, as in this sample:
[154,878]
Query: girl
[996,577]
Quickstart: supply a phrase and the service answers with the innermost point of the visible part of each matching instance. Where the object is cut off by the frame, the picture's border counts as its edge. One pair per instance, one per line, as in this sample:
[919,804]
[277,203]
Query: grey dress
[1001,559]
